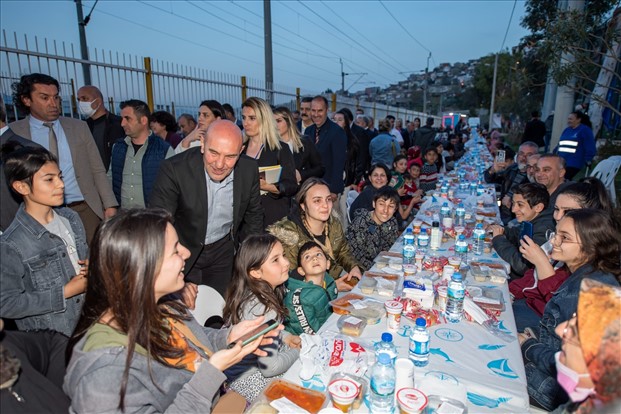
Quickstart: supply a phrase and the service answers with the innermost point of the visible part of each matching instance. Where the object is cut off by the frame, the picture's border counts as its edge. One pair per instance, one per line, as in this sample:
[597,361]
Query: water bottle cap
[462,237]
[461,205]
[479,226]
[445,204]
[408,230]
[386,337]
[383,358]
[457,276]
[421,322]
[435,224]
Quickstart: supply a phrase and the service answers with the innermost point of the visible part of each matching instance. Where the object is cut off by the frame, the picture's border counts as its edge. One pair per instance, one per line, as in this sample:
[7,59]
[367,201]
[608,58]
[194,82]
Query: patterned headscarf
[599,329]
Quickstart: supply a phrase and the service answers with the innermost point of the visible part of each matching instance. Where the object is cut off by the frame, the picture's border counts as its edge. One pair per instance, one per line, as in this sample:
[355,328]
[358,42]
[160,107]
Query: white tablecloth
[467,362]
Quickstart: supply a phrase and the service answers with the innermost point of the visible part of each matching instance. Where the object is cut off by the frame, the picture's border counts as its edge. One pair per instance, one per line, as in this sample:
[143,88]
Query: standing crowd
[109,227]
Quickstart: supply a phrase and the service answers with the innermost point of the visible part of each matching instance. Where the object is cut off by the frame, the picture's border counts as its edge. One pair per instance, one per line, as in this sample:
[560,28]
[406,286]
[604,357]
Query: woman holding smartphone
[136,347]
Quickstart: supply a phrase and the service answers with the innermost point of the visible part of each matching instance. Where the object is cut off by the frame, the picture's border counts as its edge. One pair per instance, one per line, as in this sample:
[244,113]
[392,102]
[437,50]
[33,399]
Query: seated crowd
[97,299]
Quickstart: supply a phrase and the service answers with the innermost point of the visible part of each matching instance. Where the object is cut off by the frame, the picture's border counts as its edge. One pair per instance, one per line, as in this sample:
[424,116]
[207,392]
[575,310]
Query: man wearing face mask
[105,126]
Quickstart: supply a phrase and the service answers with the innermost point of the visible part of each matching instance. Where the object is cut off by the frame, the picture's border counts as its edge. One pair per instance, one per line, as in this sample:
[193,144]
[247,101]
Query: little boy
[307,300]
[530,202]
[429,173]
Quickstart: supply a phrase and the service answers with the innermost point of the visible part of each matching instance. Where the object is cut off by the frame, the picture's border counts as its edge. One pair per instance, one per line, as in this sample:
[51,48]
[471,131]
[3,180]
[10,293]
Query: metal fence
[164,85]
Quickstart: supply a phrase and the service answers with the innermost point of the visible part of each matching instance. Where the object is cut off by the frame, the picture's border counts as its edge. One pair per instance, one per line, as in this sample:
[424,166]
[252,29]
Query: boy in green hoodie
[307,300]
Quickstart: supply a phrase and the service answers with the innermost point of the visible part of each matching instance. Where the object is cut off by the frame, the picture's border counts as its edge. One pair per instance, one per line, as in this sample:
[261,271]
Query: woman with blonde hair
[305,155]
[262,143]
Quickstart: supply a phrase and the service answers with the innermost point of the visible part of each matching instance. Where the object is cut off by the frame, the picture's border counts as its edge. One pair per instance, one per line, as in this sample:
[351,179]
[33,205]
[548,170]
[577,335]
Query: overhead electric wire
[236,37]
[508,25]
[364,48]
[260,36]
[202,45]
[346,61]
[403,27]
[379,49]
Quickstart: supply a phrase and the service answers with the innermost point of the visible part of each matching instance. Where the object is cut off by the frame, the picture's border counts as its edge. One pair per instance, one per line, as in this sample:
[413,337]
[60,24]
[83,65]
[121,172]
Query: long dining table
[479,366]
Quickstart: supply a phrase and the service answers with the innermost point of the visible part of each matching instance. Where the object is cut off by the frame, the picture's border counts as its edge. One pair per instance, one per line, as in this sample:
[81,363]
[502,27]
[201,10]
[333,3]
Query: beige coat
[89,169]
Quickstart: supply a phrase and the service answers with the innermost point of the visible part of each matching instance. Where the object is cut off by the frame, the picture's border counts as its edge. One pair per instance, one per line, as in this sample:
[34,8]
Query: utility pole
[342,76]
[86,68]
[426,85]
[565,99]
[269,68]
[491,106]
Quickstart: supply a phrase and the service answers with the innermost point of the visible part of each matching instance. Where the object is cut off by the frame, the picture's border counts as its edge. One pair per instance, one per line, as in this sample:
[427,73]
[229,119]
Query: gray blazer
[89,169]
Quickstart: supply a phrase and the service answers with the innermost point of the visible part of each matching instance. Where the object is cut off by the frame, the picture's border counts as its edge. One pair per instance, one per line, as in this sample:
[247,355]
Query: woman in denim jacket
[43,268]
[587,241]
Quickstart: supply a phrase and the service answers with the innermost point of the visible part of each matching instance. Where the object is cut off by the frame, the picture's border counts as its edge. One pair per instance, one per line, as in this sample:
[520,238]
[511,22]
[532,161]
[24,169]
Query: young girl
[588,243]
[137,348]
[43,268]
[257,289]
[536,288]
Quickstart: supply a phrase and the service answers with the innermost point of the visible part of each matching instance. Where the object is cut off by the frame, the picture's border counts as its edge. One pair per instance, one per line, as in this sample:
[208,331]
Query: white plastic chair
[606,171]
[208,303]
[351,196]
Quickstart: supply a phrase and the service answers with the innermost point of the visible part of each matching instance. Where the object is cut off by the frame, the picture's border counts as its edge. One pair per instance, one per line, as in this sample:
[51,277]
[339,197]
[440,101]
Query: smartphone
[527,229]
[255,333]
[500,156]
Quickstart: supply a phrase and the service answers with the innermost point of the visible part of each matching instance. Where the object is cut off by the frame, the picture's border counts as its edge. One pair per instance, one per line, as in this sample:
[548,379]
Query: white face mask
[86,108]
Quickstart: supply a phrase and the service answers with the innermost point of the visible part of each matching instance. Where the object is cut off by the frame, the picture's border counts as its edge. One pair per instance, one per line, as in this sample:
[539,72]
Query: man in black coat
[425,135]
[535,130]
[105,126]
[213,194]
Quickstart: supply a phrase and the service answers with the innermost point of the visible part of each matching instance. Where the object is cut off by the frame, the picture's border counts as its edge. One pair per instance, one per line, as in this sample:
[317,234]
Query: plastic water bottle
[480,190]
[461,248]
[445,211]
[386,346]
[408,246]
[478,239]
[383,378]
[460,215]
[455,299]
[419,343]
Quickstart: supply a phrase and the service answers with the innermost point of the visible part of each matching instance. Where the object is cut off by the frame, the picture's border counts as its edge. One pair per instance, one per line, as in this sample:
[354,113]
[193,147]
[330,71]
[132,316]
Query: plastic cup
[411,401]
[442,297]
[404,369]
[343,393]
[447,272]
[409,270]
[416,225]
[455,262]
[447,222]
[394,309]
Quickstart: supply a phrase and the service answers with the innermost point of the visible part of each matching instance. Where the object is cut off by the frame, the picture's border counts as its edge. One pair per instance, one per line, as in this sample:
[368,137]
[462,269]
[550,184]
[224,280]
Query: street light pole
[86,68]
[426,85]
[491,107]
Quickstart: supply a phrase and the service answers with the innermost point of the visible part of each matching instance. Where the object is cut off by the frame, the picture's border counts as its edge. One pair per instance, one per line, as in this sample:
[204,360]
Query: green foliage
[581,34]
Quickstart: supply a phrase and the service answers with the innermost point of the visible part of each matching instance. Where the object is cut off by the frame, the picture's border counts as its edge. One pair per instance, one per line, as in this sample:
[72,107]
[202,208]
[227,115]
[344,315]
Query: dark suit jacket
[332,147]
[364,140]
[9,200]
[89,169]
[181,189]
[308,161]
[112,131]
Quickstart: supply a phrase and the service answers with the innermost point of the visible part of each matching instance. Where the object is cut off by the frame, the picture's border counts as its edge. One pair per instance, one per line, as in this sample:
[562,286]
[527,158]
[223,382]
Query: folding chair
[606,171]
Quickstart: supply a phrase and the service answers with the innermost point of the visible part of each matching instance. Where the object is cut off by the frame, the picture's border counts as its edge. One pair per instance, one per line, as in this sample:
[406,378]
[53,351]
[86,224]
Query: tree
[590,36]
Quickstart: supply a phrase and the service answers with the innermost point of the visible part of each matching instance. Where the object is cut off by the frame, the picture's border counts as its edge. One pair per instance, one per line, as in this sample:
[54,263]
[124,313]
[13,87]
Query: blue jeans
[543,388]
[524,316]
